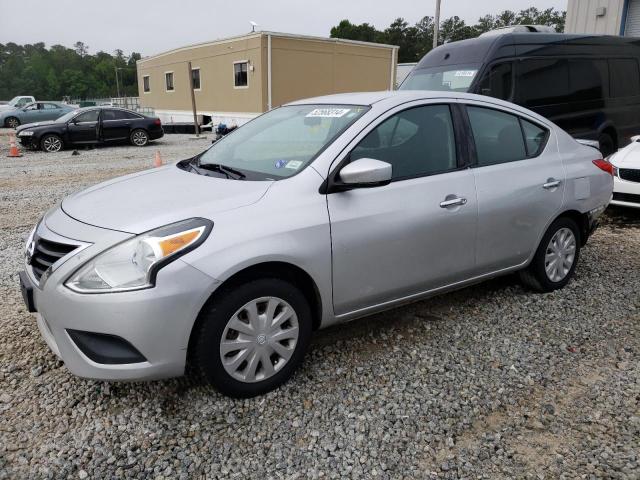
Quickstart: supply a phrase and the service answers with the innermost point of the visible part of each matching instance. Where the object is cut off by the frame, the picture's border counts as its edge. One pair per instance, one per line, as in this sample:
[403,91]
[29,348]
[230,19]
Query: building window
[168,78]
[195,78]
[145,84]
[240,77]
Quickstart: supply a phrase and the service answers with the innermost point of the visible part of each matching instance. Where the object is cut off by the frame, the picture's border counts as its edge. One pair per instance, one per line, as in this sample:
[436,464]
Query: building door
[632,26]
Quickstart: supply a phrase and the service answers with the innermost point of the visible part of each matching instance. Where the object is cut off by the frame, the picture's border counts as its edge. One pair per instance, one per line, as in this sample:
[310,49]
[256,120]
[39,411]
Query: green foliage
[416,40]
[50,74]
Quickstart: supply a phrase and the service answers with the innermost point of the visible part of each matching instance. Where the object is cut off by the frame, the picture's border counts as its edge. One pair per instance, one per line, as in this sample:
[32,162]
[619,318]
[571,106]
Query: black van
[587,85]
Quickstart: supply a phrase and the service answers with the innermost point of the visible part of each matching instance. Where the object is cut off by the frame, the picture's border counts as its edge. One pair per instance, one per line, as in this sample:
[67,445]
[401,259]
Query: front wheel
[12,122]
[139,138]
[51,143]
[253,337]
[556,258]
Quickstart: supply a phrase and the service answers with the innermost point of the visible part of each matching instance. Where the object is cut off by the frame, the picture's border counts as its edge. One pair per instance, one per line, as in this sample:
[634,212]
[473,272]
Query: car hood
[28,126]
[627,157]
[146,200]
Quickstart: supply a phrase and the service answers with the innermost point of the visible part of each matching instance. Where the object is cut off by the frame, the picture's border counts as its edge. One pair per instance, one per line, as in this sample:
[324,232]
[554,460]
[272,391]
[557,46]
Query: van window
[625,77]
[417,141]
[456,78]
[497,81]
[542,82]
[497,135]
[588,79]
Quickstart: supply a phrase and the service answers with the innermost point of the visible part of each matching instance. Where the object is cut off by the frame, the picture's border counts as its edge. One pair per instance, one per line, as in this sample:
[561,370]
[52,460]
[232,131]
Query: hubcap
[139,138]
[561,253]
[13,123]
[52,144]
[259,339]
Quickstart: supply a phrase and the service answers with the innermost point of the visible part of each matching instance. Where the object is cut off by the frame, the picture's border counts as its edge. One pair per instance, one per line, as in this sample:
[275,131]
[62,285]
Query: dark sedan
[91,126]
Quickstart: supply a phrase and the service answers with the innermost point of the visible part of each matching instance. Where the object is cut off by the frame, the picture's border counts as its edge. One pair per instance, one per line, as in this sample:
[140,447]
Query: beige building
[607,17]
[237,78]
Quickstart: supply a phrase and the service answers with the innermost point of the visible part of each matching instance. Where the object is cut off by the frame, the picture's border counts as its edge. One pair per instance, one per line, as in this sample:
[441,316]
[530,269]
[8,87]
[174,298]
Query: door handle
[453,202]
[551,183]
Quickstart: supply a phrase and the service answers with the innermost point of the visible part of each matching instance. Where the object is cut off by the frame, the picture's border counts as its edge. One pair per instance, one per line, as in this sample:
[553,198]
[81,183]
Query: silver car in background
[315,213]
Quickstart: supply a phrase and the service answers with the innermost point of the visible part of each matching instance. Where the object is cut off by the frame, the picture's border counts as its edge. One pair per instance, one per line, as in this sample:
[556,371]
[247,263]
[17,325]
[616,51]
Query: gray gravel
[489,382]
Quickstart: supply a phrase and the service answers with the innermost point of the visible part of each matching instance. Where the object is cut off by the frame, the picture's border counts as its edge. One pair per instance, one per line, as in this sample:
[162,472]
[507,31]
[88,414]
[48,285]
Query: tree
[81,49]
[51,73]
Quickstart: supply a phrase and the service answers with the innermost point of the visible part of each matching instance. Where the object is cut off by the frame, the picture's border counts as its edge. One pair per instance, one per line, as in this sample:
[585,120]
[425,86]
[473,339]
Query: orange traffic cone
[157,161]
[13,149]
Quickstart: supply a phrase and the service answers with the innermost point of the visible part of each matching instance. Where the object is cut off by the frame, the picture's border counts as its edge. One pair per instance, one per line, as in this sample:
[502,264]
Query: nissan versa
[312,214]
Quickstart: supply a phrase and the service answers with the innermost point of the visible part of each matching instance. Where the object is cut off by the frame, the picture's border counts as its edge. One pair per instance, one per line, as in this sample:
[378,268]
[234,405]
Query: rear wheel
[253,337]
[607,145]
[139,138]
[556,258]
[12,122]
[51,143]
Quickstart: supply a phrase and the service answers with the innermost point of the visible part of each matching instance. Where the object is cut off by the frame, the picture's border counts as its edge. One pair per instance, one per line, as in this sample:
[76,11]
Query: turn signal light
[604,165]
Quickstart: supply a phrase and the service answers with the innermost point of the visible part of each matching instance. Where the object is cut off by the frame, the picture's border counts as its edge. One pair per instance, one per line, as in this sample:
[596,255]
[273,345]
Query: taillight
[157,122]
[604,165]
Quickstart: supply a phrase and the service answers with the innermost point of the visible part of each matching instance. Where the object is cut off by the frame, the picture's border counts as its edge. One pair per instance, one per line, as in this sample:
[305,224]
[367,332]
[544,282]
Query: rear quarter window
[625,77]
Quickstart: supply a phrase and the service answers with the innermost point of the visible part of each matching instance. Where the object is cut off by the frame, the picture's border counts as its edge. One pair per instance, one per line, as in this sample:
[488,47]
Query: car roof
[399,96]
[391,99]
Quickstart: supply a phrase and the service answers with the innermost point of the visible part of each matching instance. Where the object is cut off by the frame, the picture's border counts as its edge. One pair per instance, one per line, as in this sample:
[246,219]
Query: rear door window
[542,82]
[624,77]
[498,81]
[588,79]
[497,135]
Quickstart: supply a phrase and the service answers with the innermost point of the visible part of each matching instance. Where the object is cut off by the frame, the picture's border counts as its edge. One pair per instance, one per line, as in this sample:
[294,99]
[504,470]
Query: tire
[233,376]
[139,137]
[607,145]
[12,122]
[536,276]
[51,143]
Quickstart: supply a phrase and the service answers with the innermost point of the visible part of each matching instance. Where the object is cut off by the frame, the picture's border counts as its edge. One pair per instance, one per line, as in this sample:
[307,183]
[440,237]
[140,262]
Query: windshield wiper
[225,170]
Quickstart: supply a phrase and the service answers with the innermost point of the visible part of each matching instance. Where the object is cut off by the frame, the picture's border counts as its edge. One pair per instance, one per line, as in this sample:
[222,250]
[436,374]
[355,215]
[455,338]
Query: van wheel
[607,145]
[253,337]
[139,138]
[556,258]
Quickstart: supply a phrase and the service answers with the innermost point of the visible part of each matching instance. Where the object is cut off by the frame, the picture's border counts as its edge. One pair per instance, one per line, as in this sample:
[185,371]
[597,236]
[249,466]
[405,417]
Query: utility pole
[436,24]
[117,83]
[193,102]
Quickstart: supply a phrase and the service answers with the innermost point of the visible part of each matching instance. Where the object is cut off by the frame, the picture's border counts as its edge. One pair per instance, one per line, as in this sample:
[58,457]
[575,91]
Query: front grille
[46,253]
[629,174]
[626,197]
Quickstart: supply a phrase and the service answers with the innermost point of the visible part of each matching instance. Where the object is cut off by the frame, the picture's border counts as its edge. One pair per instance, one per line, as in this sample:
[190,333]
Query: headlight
[133,264]
[26,133]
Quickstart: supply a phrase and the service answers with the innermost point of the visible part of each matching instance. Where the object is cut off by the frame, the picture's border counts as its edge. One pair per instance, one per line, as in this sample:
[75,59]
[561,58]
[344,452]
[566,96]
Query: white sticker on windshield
[464,73]
[329,112]
[294,164]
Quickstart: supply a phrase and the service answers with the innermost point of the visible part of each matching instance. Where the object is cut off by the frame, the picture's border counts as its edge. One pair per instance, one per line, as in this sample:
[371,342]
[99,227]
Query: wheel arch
[610,129]
[271,269]
[581,219]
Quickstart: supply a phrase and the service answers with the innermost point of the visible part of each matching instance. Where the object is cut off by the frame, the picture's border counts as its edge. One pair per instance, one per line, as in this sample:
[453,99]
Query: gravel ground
[488,382]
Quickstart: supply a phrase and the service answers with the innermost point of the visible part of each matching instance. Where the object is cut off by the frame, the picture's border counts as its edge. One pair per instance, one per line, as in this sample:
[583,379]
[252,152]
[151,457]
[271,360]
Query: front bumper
[156,322]
[626,193]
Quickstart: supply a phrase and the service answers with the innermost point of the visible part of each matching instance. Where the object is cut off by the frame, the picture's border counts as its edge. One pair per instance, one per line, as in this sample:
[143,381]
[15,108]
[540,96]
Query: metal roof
[266,33]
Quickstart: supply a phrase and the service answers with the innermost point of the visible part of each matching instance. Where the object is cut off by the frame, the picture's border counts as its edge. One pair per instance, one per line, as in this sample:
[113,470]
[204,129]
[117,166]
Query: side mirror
[364,173]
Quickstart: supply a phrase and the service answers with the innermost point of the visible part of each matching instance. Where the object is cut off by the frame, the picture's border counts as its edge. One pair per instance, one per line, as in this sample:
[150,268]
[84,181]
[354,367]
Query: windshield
[67,116]
[452,78]
[282,142]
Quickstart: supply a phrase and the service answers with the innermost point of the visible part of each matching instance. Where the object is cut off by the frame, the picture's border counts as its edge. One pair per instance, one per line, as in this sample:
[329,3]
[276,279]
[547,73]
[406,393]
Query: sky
[153,26]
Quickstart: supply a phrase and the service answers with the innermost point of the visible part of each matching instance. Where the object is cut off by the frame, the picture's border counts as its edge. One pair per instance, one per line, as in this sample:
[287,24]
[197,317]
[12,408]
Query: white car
[626,175]
[17,102]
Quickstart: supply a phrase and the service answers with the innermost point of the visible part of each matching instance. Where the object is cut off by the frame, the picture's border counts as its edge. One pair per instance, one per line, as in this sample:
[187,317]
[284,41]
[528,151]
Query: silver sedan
[312,214]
